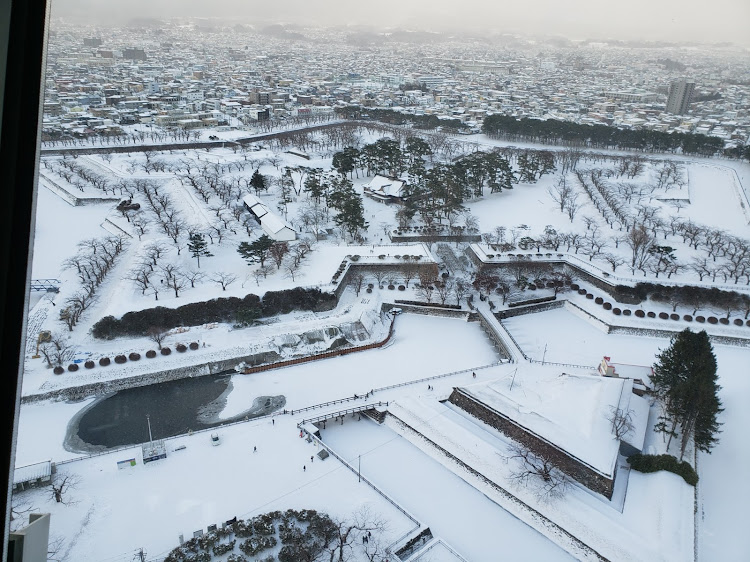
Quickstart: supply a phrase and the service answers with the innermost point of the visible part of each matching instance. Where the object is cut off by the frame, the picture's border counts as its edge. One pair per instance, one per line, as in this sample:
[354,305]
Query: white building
[384,188]
[272,224]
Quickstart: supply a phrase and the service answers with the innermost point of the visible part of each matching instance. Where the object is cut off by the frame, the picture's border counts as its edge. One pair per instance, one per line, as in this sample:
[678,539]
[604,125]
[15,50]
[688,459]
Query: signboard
[127,463]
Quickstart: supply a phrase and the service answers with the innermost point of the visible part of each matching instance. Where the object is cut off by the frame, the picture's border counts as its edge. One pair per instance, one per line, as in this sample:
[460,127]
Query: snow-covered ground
[455,511]
[569,339]
[151,505]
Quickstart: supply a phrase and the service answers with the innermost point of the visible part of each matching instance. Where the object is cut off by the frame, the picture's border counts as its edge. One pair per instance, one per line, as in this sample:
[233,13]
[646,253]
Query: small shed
[272,224]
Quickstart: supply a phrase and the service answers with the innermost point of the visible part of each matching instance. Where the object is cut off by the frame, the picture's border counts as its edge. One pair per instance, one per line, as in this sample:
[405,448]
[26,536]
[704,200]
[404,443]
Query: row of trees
[232,309]
[94,260]
[553,131]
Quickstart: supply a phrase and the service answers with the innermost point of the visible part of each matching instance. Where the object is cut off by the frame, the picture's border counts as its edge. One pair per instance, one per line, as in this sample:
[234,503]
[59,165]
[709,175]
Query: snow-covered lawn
[455,511]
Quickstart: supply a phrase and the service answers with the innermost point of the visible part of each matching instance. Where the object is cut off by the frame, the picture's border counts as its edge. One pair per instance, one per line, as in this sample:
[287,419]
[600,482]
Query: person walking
[304,468]
[255,449]
[312,458]
[273,421]
[473,375]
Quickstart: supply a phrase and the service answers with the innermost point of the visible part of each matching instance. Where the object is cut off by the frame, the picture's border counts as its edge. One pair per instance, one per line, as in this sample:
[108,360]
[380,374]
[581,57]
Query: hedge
[228,309]
[655,463]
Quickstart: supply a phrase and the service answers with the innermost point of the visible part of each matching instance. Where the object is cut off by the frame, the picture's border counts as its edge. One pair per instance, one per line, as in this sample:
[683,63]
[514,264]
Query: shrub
[626,312]
[181,347]
[397,256]
[738,322]
[575,286]
[134,356]
[640,313]
[381,257]
[165,351]
[713,320]
[354,258]
[531,287]
[104,361]
[616,311]
[120,359]
[607,306]
[700,319]
[655,463]
[598,300]
[687,318]
[193,345]
[369,290]
[89,364]
[651,314]
[664,316]
[370,286]
[391,287]
[582,291]
[73,367]
[724,321]
[589,296]
[401,288]
[747,323]
[674,316]
[150,354]
[58,370]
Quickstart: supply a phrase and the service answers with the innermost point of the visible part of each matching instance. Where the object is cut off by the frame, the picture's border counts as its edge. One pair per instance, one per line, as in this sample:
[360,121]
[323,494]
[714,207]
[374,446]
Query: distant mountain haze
[662,20]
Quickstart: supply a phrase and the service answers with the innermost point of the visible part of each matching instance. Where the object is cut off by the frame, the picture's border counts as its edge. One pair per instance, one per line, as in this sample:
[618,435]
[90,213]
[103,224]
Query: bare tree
[356,280]
[277,252]
[613,260]
[460,289]
[444,289]
[291,267]
[640,242]
[537,473]
[57,350]
[61,486]
[348,532]
[409,270]
[224,279]
[157,334]
[622,422]
[194,277]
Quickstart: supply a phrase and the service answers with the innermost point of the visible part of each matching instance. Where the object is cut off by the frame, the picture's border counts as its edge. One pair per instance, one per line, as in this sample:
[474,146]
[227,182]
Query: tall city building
[680,94]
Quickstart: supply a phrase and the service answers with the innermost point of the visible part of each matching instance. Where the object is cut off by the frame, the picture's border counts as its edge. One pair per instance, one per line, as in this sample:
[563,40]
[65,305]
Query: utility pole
[140,556]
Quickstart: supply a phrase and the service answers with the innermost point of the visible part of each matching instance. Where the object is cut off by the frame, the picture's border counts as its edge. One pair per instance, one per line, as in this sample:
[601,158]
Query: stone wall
[568,464]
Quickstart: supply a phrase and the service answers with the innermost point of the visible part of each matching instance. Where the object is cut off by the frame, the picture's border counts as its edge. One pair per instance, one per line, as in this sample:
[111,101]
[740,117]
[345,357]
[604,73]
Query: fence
[49,285]
[395,504]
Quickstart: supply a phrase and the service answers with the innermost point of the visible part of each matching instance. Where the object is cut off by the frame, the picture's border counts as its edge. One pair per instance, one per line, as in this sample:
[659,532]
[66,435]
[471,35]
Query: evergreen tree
[198,247]
[258,181]
[685,379]
[257,251]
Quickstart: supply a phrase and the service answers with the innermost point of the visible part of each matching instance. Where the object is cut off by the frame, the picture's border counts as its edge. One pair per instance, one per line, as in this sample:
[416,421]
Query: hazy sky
[671,20]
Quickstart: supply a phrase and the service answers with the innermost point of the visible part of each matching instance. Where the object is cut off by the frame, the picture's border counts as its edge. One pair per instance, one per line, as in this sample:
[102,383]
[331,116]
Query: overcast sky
[671,20]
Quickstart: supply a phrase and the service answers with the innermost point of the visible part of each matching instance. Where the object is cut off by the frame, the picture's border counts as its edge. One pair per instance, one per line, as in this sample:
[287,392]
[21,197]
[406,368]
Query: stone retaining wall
[571,466]
[260,362]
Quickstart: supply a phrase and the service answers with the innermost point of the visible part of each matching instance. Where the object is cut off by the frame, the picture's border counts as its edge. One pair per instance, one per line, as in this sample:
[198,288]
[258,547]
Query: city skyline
[640,20]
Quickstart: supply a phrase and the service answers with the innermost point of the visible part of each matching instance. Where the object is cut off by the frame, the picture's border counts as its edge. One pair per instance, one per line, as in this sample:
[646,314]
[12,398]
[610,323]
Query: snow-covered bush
[134,356]
[193,345]
[73,367]
[104,361]
[120,359]
[58,370]
[165,351]
[150,354]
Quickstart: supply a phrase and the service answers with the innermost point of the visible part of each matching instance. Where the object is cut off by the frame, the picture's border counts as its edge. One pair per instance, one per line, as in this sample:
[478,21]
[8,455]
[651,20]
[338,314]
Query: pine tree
[256,251]
[198,247]
[258,182]
[685,380]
